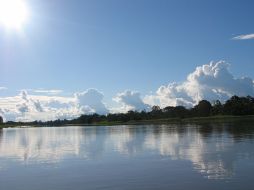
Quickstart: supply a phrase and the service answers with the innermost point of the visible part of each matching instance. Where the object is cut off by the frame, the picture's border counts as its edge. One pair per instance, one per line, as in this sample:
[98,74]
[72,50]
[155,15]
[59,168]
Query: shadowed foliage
[1,119]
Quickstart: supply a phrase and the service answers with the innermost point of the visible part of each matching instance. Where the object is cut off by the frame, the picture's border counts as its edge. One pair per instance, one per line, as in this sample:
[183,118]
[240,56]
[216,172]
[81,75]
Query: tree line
[235,106]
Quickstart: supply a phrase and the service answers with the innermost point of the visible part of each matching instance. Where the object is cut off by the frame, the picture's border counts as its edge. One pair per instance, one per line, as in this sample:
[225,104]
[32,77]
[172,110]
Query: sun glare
[13,13]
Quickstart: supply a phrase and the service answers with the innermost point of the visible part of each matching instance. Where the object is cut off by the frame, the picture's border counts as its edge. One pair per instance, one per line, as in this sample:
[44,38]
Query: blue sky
[114,45]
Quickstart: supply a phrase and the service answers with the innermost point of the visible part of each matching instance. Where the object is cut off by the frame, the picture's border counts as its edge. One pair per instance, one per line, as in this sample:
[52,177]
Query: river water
[210,156]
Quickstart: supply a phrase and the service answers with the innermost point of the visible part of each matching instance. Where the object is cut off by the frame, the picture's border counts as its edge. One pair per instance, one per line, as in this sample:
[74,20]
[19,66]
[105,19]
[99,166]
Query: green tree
[156,109]
[1,120]
[239,106]
[156,112]
[217,108]
[203,109]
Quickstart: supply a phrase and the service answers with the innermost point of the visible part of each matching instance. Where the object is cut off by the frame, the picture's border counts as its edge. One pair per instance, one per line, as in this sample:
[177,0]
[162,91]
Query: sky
[73,57]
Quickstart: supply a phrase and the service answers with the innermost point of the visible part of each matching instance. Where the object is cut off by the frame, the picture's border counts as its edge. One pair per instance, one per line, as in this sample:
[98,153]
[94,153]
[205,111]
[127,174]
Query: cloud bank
[131,100]
[91,101]
[26,107]
[212,81]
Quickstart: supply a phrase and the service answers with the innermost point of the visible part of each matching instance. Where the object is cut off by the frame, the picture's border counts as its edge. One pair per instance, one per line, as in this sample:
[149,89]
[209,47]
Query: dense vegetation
[235,106]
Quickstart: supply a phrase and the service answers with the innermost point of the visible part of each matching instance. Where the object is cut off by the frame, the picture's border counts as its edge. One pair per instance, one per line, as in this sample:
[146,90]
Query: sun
[13,13]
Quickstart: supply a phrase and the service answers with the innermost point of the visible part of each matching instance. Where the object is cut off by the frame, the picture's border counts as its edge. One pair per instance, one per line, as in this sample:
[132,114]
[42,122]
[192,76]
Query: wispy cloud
[244,37]
[3,88]
[46,91]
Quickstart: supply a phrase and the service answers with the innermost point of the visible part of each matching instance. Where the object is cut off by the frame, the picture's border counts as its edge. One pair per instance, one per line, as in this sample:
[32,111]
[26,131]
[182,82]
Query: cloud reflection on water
[213,150]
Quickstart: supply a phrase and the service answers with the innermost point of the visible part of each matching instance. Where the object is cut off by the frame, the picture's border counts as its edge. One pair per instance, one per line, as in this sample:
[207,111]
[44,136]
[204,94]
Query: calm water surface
[128,157]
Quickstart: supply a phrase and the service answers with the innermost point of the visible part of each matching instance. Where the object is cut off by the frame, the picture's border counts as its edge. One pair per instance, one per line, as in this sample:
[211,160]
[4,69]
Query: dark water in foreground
[128,157]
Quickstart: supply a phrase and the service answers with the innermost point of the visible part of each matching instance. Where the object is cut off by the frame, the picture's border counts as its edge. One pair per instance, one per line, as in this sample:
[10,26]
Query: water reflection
[212,150]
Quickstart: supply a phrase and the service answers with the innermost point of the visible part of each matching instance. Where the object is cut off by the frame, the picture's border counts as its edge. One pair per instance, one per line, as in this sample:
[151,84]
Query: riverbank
[193,120]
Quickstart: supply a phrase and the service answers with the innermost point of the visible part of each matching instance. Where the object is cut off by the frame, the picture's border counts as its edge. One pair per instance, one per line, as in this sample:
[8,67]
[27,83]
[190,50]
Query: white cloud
[244,37]
[56,103]
[3,88]
[26,107]
[22,108]
[91,101]
[29,103]
[50,92]
[37,105]
[211,82]
[130,100]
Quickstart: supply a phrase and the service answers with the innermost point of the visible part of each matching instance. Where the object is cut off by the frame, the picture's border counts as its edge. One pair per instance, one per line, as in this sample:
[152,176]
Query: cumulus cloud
[244,37]
[131,100]
[27,107]
[58,104]
[91,101]
[22,108]
[212,81]
[28,103]
[37,105]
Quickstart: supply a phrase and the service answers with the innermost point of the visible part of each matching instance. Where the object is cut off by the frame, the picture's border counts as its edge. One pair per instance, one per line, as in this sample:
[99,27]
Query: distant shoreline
[193,120]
